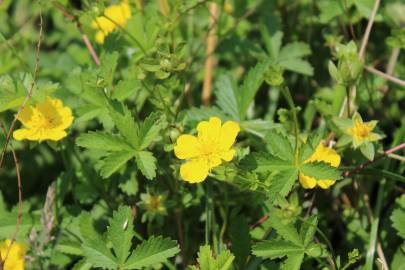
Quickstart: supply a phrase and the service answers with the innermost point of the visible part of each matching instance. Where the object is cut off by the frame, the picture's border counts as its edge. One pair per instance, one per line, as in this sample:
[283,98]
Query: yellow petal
[100,37]
[186,147]
[15,259]
[373,137]
[26,134]
[66,116]
[306,181]
[54,135]
[325,183]
[228,155]
[357,120]
[194,171]
[325,154]
[209,131]
[229,131]
[28,115]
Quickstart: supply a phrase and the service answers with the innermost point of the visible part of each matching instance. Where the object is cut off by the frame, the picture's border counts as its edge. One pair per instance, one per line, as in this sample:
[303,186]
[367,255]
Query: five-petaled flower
[212,145]
[115,16]
[15,257]
[46,121]
[327,155]
[362,131]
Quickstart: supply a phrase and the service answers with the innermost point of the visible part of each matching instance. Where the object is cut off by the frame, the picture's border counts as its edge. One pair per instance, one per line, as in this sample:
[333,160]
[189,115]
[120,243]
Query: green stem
[348,101]
[287,95]
[207,213]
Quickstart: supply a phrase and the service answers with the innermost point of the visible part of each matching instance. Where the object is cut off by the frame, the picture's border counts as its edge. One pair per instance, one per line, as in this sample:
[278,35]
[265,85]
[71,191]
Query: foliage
[114,87]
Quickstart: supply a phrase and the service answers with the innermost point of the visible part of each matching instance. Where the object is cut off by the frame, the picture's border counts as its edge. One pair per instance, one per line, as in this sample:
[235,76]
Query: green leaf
[308,229]
[11,93]
[72,248]
[82,265]
[367,149]
[320,170]
[94,246]
[152,251]
[294,50]
[276,248]
[226,97]
[207,261]
[102,141]
[293,262]
[124,122]
[279,145]
[265,162]
[250,86]
[309,148]
[146,162]
[120,233]
[286,230]
[150,129]
[282,183]
[114,162]
[297,65]
[398,217]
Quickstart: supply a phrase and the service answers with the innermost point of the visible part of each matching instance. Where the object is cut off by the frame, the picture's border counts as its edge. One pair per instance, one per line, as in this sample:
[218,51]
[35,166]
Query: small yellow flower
[115,15]
[46,121]
[206,151]
[362,132]
[327,155]
[15,258]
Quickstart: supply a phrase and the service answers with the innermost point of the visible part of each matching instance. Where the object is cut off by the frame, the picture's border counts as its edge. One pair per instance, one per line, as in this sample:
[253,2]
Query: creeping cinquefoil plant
[202,135]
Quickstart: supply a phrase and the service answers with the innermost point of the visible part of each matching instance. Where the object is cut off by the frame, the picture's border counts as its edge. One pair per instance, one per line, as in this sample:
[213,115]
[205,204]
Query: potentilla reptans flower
[115,16]
[327,155]
[46,121]
[15,258]
[362,131]
[212,145]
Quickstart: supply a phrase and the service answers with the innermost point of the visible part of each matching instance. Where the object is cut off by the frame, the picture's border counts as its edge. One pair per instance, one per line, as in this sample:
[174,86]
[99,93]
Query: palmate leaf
[276,248]
[150,129]
[279,145]
[146,162]
[398,217]
[282,183]
[120,232]
[286,230]
[102,141]
[320,170]
[125,123]
[206,260]
[94,246]
[265,162]
[152,251]
[250,86]
[113,162]
[293,262]
[308,229]
[227,97]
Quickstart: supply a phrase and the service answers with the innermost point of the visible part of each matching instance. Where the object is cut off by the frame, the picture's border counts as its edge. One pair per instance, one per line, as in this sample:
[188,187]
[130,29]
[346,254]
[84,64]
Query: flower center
[362,131]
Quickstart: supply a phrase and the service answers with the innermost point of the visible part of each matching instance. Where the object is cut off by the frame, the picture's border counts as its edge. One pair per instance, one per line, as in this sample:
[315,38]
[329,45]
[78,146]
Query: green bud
[274,76]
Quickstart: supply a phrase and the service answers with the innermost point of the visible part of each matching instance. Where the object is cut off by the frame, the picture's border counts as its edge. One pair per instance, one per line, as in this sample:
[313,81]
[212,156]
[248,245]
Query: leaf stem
[287,95]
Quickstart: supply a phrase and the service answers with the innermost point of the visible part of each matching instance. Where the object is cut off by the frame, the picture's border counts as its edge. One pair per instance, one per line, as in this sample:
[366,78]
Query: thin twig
[385,76]
[19,211]
[28,96]
[368,29]
[362,166]
[210,61]
[85,38]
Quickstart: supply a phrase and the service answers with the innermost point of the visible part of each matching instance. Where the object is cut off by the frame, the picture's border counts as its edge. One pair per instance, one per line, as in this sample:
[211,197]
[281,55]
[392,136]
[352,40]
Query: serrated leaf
[149,130]
[204,113]
[309,147]
[294,50]
[265,162]
[124,122]
[206,260]
[250,86]
[279,145]
[276,248]
[102,141]
[226,97]
[320,170]
[297,65]
[82,265]
[94,246]
[146,162]
[114,161]
[308,229]
[293,262]
[398,217]
[286,230]
[282,183]
[72,248]
[120,232]
[152,251]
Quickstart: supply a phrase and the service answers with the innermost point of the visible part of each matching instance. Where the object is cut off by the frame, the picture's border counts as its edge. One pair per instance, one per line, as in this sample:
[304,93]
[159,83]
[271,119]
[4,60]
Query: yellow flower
[115,15]
[327,155]
[206,151]
[15,258]
[46,121]
[362,132]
